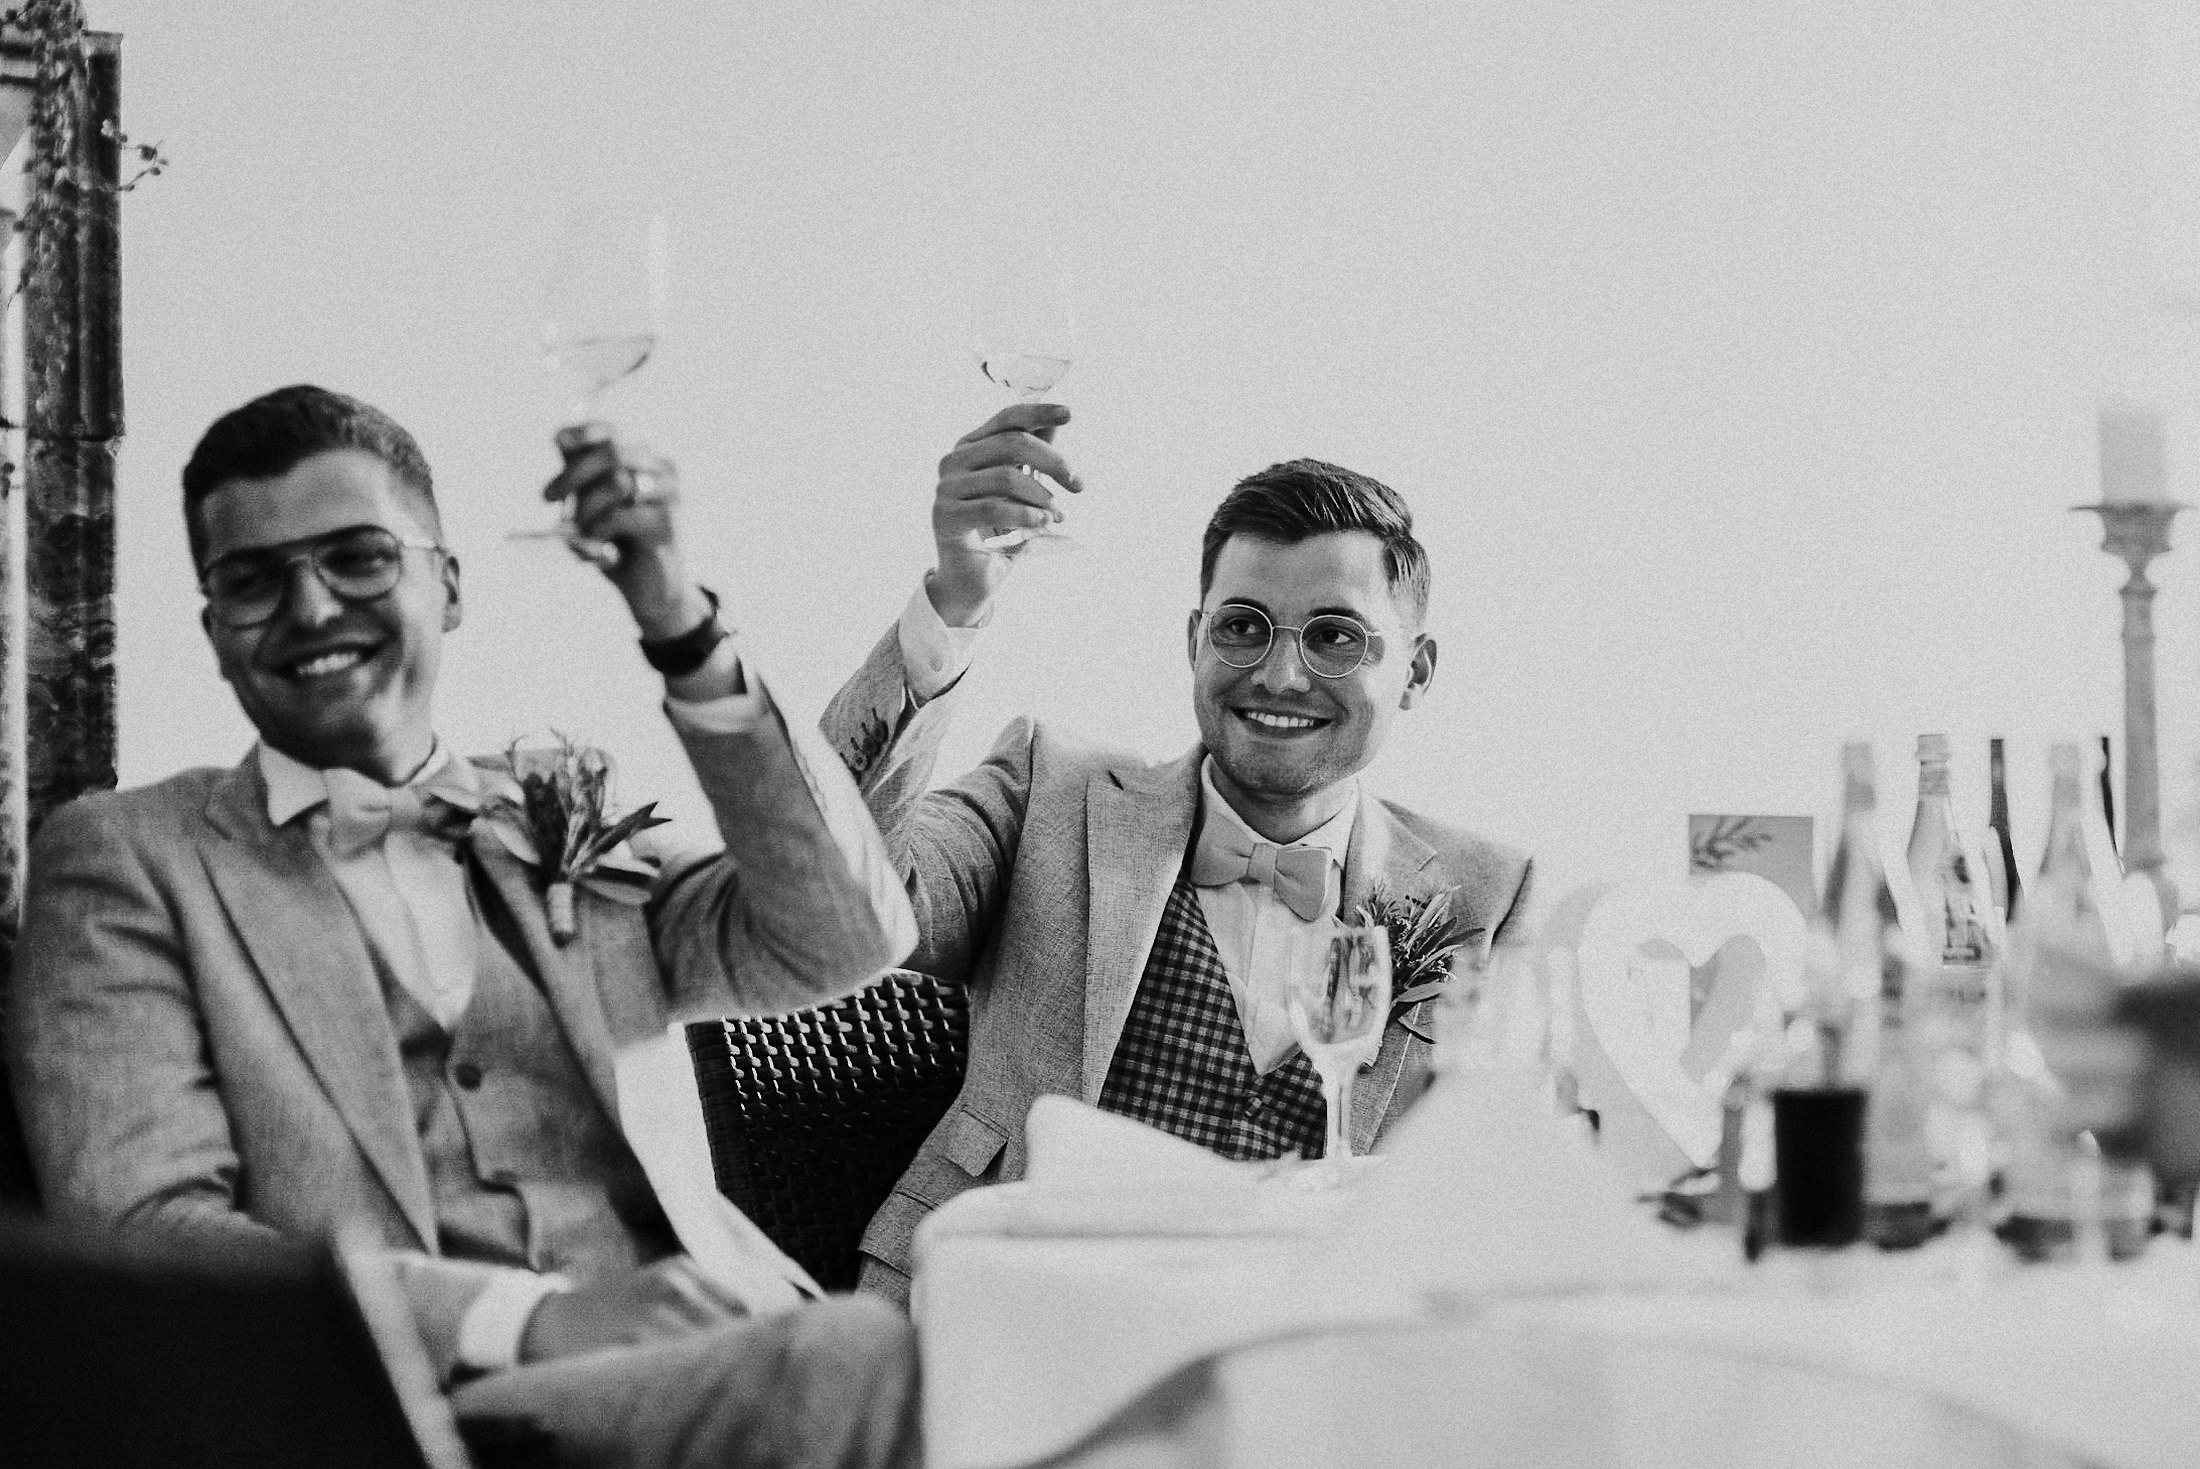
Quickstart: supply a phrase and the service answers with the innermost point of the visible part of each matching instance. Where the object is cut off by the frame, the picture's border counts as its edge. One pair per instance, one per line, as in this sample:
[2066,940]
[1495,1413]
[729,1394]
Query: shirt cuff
[934,655]
[705,701]
[490,1331]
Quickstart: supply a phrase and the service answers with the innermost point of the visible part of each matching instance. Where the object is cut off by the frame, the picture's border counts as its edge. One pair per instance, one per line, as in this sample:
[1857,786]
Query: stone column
[61,391]
[73,424]
[18,84]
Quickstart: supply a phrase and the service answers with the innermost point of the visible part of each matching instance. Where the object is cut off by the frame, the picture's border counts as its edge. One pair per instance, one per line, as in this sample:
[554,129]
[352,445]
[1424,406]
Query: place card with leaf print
[1774,847]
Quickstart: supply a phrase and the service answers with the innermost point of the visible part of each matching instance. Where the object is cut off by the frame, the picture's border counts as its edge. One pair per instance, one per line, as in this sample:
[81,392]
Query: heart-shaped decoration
[1669,974]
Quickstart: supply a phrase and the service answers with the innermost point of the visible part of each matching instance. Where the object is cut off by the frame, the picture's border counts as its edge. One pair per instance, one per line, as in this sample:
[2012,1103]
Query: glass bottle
[1950,904]
[2061,939]
[1868,1043]
[2073,923]
[1854,965]
[2108,797]
[1949,1006]
[2001,853]
[1900,1172]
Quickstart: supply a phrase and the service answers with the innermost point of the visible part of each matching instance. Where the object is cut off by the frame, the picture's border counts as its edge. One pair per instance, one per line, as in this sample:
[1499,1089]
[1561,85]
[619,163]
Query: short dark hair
[1292,502]
[276,432]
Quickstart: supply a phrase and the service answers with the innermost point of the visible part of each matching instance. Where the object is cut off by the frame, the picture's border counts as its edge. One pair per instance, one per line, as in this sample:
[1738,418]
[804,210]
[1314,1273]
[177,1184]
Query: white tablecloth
[1037,1348]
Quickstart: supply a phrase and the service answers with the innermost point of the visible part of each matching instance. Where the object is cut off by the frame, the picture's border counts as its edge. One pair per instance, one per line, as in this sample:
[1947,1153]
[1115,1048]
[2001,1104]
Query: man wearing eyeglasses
[309,994]
[1127,930]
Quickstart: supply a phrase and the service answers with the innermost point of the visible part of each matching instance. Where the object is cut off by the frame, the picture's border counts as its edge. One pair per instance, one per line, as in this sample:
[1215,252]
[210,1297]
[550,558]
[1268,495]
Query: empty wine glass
[1338,1009]
[1026,339]
[602,306]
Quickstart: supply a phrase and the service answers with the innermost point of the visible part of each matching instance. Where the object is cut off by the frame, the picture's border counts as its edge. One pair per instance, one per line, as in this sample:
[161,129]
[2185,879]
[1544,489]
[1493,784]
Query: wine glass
[602,305]
[1026,339]
[1338,1009]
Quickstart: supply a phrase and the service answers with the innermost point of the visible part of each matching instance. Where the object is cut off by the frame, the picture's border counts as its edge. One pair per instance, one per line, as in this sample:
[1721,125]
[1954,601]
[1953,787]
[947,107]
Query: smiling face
[331,682]
[1285,741]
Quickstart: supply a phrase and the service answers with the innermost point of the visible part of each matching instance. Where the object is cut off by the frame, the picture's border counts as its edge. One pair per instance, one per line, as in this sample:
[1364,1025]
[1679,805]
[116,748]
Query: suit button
[466,1074]
[1252,1105]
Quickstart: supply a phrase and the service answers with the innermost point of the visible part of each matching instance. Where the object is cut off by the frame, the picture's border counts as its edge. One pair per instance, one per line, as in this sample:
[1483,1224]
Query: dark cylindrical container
[1818,1160]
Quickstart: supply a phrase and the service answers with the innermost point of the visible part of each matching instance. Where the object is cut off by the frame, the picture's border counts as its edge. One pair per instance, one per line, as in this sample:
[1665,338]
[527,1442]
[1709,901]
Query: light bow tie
[1297,874]
[362,811]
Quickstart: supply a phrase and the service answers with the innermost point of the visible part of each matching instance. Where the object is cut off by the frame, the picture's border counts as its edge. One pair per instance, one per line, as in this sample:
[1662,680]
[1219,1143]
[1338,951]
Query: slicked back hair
[1292,502]
[276,432]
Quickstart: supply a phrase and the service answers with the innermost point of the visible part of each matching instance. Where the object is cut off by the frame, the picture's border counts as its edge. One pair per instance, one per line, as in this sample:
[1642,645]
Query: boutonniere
[553,812]
[1422,947]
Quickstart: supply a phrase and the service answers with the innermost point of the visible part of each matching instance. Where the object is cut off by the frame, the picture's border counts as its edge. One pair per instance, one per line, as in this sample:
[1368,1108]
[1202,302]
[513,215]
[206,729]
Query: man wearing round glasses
[311,994]
[1126,929]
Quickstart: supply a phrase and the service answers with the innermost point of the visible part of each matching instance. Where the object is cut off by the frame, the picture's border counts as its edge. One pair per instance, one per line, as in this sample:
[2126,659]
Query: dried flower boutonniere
[553,812]
[1422,946]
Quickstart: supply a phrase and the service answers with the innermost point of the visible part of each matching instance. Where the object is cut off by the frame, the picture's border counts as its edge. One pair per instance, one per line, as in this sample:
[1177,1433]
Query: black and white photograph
[1017,734]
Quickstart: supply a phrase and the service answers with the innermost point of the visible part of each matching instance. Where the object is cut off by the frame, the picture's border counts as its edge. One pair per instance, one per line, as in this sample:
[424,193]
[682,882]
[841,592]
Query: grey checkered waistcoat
[1182,1065]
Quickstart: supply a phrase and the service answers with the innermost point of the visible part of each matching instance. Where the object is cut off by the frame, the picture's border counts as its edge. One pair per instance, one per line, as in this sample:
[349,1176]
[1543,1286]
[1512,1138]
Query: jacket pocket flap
[972,1143]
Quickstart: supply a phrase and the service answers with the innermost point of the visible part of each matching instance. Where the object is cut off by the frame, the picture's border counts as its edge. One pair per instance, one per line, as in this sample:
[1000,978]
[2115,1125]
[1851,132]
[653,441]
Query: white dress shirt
[1261,942]
[410,897]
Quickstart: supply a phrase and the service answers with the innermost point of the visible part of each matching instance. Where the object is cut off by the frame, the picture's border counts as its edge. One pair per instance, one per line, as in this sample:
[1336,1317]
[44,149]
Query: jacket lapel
[1138,824]
[568,974]
[1383,853]
[294,922]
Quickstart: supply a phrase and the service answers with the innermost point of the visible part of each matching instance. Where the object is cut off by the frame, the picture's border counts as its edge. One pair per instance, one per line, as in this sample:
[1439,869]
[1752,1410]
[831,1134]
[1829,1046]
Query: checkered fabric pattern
[1182,1065]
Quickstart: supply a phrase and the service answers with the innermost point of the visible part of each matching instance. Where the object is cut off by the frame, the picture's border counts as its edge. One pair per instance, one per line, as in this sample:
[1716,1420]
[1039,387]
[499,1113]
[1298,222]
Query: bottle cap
[1932,747]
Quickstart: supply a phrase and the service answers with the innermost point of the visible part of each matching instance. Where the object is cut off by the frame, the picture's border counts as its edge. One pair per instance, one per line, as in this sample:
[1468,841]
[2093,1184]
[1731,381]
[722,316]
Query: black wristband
[676,656]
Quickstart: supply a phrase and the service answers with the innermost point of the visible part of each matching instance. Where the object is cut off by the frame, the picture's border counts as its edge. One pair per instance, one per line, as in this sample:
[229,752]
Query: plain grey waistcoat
[524,1165]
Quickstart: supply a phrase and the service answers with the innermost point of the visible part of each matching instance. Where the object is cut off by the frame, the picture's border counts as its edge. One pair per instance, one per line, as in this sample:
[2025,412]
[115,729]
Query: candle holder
[2135,532]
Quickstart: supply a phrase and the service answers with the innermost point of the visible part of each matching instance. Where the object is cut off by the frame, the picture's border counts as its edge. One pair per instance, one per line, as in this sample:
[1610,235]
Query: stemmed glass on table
[602,306]
[1338,1009]
[1026,339]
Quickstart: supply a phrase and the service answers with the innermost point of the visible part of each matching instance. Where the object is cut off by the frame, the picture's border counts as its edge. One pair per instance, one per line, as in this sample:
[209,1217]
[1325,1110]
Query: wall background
[1740,360]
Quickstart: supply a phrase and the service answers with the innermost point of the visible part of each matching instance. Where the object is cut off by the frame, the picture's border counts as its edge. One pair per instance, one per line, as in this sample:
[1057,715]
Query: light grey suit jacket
[198,1039]
[1039,880]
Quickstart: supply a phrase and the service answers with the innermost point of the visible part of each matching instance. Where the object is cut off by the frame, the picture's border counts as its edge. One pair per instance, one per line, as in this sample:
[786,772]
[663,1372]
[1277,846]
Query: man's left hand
[622,495]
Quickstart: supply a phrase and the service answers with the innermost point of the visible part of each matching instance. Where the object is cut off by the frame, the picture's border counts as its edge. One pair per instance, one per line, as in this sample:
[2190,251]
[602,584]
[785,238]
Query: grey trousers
[832,1385]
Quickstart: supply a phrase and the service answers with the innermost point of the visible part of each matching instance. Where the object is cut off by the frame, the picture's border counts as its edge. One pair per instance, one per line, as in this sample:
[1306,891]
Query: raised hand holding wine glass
[999,477]
[1338,1009]
[1025,340]
[603,304]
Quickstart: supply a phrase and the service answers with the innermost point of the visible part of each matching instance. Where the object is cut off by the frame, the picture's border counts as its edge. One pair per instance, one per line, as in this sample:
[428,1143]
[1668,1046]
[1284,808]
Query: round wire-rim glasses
[1331,645]
[357,563]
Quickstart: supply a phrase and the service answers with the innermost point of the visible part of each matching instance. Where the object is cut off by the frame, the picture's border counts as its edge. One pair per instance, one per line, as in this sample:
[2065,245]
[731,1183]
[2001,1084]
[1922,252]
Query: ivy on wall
[50,35]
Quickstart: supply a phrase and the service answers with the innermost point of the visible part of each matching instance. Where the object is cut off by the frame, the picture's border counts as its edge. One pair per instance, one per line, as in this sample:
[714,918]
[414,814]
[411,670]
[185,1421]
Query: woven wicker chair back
[814,1115]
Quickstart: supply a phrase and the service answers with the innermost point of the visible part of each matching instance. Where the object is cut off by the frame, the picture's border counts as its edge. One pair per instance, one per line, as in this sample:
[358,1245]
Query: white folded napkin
[1484,1191]
[661,1113]
[1077,1145]
[1095,1174]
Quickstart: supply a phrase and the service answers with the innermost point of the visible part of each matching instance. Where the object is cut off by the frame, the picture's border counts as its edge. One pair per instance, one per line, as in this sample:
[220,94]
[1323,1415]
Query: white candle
[2132,460]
